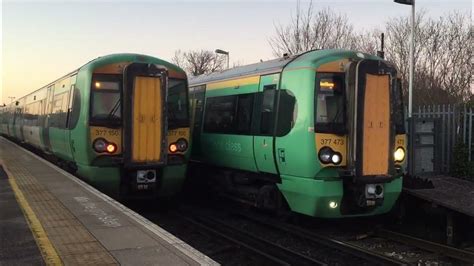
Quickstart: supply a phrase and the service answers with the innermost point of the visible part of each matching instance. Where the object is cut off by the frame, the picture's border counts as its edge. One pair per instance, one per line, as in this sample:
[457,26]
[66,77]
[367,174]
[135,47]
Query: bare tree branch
[198,62]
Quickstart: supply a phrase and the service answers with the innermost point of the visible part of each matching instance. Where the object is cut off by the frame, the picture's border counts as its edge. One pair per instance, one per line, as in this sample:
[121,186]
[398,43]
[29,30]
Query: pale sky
[43,40]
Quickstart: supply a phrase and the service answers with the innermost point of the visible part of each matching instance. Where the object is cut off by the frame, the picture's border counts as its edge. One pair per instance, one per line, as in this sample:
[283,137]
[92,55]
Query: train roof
[107,59]
[275,65]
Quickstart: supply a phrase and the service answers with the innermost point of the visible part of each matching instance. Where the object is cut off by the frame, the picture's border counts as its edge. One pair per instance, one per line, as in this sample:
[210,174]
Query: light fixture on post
[219,51]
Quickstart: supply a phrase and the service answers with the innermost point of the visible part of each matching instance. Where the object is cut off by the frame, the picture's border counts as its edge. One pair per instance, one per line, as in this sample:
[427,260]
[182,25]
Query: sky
[44,40]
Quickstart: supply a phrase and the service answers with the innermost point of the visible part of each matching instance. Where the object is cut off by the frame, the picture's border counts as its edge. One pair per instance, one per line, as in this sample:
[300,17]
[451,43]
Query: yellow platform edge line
[48,252]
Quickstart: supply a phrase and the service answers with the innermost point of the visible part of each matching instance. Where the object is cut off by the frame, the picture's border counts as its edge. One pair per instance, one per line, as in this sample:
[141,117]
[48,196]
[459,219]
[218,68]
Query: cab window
[106,99]
[329,100]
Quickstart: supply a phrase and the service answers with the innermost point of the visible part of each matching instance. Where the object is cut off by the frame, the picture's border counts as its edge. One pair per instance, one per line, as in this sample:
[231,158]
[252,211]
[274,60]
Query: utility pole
[412,51]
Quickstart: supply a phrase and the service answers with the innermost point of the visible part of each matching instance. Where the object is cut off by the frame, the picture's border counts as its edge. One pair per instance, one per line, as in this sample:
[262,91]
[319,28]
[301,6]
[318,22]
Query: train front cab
[359,137]
[139,130]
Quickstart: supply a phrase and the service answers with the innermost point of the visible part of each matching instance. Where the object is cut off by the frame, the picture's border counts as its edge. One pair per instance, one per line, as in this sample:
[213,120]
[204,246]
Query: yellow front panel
[335,142]
[147,117]
[376,136]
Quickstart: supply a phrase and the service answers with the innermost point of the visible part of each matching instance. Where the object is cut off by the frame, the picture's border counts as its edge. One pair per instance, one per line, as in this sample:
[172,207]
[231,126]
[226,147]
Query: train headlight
[399,154]
[111,148]
[173,147]
[336,158]
[100,145]
[182,145]
[325,154]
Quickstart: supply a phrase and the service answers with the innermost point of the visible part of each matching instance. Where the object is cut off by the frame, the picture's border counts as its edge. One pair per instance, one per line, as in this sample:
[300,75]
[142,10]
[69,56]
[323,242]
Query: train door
[265,116]
[47,113]
[197,95]
[68,140]
[374,132]
[145,90]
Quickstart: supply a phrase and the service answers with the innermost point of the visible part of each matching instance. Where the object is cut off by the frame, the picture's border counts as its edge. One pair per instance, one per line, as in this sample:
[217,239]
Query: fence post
[471,116]
[464,125]
[448,138]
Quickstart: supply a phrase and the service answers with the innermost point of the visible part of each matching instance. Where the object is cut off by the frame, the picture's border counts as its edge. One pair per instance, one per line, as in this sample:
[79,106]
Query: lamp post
[219,51]
[412,57]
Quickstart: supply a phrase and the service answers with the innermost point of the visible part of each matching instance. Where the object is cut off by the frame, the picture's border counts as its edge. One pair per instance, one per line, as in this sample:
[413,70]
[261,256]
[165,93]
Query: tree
[198,62]
[443,56]
[443,48]
[308,31]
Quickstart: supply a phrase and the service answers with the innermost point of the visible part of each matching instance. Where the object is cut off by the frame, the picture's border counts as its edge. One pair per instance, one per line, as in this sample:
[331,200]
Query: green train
[121,122]
[320,133]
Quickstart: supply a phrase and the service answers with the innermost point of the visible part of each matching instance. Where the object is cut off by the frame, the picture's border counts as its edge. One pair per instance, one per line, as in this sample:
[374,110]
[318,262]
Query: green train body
[317,132]
[111,122]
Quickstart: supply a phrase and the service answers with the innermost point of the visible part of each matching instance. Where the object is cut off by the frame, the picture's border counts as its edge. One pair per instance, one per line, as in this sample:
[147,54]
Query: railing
[455,123]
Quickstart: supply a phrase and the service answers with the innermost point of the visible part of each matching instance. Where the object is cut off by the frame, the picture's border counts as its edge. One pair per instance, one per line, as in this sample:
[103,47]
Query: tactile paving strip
[72,241]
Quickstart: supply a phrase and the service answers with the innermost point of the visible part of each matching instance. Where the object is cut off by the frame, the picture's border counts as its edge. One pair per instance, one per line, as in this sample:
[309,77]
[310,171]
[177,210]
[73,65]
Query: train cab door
[264,117]
[374,133]
[145,127]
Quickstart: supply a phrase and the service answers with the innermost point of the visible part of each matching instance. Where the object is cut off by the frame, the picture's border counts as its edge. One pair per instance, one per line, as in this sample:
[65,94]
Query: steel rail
[459,254]
[342,246]
[266,248]
[231,239]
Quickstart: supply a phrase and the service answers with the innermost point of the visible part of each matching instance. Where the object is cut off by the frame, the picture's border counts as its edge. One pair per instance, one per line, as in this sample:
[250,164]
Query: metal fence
[454,123]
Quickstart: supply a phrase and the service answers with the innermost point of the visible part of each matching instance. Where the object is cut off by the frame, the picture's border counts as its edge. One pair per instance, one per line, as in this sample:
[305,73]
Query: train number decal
[101,132]
[332,141]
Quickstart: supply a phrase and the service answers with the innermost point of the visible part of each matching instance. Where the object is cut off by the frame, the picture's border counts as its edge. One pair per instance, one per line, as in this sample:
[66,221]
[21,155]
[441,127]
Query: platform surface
[75,223]
[449,192]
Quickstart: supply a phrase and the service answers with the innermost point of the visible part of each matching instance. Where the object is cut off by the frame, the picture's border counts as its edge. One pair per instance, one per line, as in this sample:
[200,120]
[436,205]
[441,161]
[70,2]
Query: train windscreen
[106,100]
[329,110]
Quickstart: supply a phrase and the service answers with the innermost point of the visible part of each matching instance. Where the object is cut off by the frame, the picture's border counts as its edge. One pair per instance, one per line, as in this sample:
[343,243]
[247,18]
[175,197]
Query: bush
[461,167]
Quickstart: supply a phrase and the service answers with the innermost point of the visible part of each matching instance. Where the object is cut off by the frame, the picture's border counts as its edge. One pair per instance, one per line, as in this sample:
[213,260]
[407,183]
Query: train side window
[244,113]
[75,109]
[196,96]
[287,113]
[229,114]
[220,114]
[267,114]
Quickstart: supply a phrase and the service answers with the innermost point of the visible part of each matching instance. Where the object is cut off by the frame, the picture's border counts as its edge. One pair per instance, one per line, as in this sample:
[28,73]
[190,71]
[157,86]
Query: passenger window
[244,113]
[229,114]
[220,114]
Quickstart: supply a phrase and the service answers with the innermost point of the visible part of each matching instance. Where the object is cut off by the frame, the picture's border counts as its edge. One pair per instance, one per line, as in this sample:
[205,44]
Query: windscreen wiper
[114,109]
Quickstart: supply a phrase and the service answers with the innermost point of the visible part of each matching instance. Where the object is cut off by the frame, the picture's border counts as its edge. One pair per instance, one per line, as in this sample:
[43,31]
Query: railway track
[363,253]
[366,255]
[275,254]
[451,252]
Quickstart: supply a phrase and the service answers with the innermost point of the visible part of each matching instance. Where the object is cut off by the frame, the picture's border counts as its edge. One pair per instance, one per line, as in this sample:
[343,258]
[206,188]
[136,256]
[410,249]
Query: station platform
[50,217]
[449,192]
